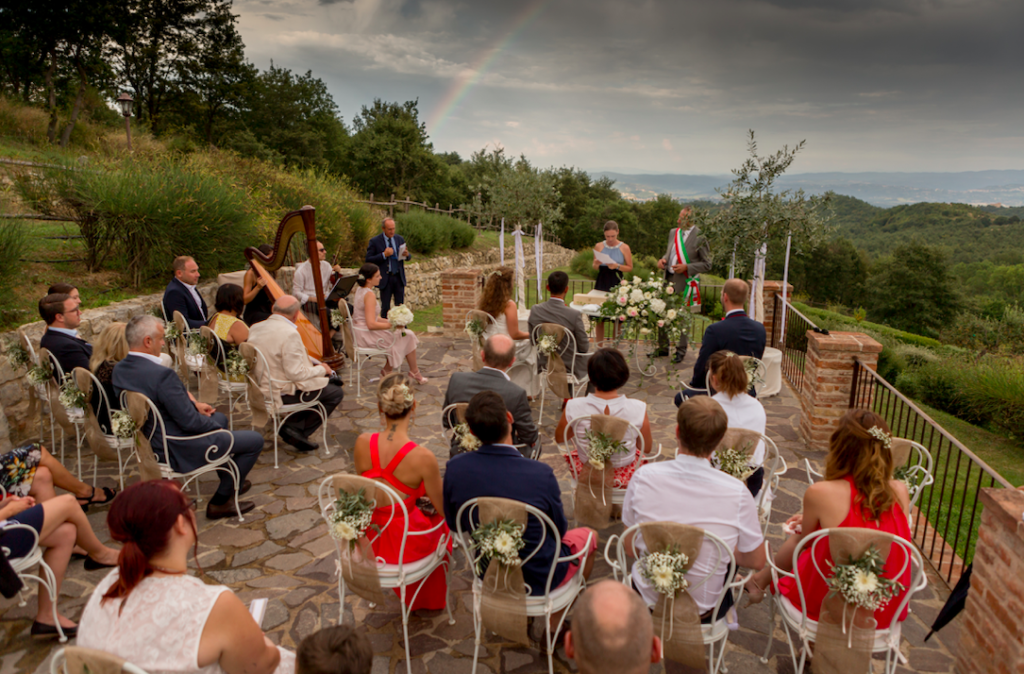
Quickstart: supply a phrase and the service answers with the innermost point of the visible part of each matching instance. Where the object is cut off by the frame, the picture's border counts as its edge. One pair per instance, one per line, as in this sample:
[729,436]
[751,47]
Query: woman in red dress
[411,470]
[858,491]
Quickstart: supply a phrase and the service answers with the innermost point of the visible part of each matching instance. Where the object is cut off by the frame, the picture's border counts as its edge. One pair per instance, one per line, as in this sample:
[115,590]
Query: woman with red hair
[150,612]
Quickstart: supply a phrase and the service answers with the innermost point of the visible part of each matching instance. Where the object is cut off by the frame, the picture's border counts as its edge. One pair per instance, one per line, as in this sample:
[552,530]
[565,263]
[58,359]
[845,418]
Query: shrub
[427,232]
[463,234]
[916,356]
[583,263]
[823,318]
[22,122]
[13,244]
[993,390]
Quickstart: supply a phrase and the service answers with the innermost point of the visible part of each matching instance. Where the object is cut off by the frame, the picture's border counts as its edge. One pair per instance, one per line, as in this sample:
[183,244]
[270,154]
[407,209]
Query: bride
[496,300]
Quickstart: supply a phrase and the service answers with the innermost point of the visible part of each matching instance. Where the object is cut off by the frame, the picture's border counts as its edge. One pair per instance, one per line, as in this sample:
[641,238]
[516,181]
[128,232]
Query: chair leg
[771,630]
[540,415]
[405,630]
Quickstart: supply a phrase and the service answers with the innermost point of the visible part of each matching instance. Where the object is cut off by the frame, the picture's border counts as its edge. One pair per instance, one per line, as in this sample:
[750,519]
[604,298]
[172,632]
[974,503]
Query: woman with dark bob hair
[227,322]
[608,371]
[152,613]
[373,332]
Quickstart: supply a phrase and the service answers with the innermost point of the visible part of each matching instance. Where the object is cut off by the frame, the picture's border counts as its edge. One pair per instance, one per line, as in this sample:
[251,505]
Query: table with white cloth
[773,378]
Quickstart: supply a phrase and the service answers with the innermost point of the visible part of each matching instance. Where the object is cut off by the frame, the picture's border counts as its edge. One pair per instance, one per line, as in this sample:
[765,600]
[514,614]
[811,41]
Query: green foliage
[985,392]
[13,244]
[517,192]
[833,272]
[912,289]
[426,233]
[1004,332]
[583,263]
[827,319]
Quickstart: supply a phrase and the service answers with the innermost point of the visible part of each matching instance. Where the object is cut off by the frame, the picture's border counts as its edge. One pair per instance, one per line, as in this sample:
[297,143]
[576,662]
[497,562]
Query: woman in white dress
[373,332]
[150,612]
[729,379]
[496,300]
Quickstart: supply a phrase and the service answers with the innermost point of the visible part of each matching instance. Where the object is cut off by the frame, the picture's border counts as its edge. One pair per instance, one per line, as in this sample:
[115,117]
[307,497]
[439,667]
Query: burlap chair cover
[209,390]
[257,402]
[93,433]
[901,449]
[60,414]
[677,619]
[501,596]
[80,660]
[740,439]
[846,633]
[34,397]
[356,563]
[558,378]
[149,468]
[346,331]
[485,320]
[179,348]
[593,498]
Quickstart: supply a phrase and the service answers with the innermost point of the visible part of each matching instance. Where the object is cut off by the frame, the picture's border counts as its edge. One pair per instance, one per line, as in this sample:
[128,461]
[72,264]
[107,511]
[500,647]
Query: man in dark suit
[181,294]
[63,314]
[556,311]
[737,332]
[142,372]
[385,251]
[498,355]
[687,256]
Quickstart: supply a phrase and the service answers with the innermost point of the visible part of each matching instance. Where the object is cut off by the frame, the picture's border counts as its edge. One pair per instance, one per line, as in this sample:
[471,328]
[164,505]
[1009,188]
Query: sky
[672,86]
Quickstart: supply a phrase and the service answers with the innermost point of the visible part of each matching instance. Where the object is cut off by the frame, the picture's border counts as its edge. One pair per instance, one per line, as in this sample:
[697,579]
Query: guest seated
[227,323]
[181,294]
[497,469]
[257,298]
[142,372]
[304,287]
[498,356]
[412,470]
[111,348]
[61,524]
[30,470]
[341,649]
[612,631]
[296,377]
[555,310]
[689,491]
[152,613]
[608,371]
[736,332]
[62,315]
[858,491]
[729,378]
[496,300]
[65,289]
[373,332]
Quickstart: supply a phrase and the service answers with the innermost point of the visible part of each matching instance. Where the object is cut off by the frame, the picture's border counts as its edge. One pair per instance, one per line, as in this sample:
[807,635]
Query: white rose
[658,306]
[645,331]
[671,315]
[637,279]
[636,296]
[343,531]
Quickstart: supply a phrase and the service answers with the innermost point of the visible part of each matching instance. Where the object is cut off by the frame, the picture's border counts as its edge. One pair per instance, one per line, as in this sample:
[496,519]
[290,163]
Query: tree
[391,153]
[519,193]
[832,273]
[912,289]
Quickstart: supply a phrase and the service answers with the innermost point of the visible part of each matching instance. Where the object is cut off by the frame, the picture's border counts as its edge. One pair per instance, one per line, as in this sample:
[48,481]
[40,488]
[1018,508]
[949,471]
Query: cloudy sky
[671,86]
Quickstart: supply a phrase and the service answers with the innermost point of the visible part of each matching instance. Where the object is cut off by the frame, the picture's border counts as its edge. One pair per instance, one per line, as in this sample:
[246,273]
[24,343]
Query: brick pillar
[828,380]
[459,291]
[993,636]
[771,289]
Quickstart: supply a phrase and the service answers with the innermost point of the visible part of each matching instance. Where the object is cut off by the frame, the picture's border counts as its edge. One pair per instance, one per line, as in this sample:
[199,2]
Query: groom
[687,256]
[385,251]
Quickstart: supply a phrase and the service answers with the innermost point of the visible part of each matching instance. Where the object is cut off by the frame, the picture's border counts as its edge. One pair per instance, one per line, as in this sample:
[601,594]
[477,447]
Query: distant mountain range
[879,189]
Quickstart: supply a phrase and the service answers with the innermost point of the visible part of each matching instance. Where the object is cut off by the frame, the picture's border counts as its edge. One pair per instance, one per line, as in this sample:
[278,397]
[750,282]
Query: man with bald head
[499,353]
[612,631]
[297,378]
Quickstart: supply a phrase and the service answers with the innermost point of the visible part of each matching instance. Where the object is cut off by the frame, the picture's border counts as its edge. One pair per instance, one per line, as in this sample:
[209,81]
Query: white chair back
[59,663]
[381,495]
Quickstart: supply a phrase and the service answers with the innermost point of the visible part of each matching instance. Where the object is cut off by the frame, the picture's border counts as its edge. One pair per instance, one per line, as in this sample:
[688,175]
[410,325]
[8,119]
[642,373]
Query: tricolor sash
[692,295]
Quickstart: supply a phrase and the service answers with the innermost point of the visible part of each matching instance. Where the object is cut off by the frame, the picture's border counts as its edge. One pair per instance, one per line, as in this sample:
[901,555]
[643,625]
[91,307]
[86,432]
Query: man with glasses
[389,252]
[63,314]
[304,288]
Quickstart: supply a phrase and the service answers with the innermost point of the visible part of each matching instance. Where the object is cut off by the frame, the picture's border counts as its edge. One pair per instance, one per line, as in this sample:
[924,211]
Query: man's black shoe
[216,512]
[678,358]
[246,486]
[292,437]
[660,353]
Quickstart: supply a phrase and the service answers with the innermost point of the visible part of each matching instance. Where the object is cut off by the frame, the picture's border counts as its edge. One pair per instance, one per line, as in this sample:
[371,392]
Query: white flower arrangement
[904,475]
[475,329]
[236,366]
[17,356]
[338,318]
[72,398]
[171,331]
[465,438]
[197,345]
[500,540]
[400,316]
[860,581]
[40,374]
[601,447]
[547,345]
[646,308]
[122,425]
[754,377]
[735,462]
[665,570]
[351,516]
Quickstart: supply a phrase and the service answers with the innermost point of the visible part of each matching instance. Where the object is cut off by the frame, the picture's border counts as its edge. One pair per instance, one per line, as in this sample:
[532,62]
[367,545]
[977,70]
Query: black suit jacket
[464,385]
[178,298]
[737,333]
[375,254]
[70,352]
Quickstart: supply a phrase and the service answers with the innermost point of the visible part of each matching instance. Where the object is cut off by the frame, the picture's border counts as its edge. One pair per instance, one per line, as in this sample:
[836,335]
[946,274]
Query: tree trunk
[83,82]
[51,129]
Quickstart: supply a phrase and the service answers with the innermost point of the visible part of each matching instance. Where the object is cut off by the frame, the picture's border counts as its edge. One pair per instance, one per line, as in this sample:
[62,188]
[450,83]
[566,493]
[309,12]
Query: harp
[317,343]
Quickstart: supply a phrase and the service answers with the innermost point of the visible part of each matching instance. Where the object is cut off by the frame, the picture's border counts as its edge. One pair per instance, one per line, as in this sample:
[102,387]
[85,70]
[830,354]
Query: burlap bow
[593,498]
[34,396]
[53,399]
[501,596]
[900,449]
[740,439]
[485,320]
[558,378]
[80,660]
[93,433]
[677,618]
[209,390]
[357,563]
[257,402]
[149,468]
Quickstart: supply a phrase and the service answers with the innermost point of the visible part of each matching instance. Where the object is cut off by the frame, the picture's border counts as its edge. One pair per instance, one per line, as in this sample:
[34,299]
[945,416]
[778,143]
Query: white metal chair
[59,663]
[759,375]
[363,354]
[553,600]
[722,561]
[794,618]
[774,468]
[487,320]
[578,384]
[392,576]
[78,421]
[235,390]
[87,380]
[214,464]
[279,412]
[449,421]
[194,364]
[618,493]
[41,391]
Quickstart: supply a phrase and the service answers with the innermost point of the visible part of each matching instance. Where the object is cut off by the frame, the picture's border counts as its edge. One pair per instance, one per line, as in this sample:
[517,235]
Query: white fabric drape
[538,254]
[501,242]
[520,268]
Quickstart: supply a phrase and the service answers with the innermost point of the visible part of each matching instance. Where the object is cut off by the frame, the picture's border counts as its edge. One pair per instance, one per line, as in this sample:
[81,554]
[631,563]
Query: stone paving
[282,551]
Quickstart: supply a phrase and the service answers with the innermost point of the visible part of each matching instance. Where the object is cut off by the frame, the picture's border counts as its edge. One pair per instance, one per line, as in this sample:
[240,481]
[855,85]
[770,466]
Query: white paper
[257,608]
[603,258]
[402,252]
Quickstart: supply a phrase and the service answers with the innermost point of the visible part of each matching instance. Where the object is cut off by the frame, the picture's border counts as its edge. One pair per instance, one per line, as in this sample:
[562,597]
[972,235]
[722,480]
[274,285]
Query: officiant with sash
[612,258]
[687,256]
[388,251]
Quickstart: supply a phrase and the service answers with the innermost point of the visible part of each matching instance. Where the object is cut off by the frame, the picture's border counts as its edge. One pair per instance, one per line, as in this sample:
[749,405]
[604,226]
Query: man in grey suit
[498,355]
[556,311]
[687,256]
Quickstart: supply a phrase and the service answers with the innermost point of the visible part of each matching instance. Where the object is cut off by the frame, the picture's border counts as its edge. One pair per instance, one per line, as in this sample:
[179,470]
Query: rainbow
[464,83]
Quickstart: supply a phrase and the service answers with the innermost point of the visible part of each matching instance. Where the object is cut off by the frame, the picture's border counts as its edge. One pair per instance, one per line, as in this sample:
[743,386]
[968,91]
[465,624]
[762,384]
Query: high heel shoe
[418,377]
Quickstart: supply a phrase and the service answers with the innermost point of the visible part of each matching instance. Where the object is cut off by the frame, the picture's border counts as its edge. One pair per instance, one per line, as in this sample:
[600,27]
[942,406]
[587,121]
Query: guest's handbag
[10,583]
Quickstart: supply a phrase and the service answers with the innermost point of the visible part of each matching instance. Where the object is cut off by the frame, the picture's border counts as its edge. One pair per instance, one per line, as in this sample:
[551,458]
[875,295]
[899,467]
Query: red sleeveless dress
[893,521]
[388,545]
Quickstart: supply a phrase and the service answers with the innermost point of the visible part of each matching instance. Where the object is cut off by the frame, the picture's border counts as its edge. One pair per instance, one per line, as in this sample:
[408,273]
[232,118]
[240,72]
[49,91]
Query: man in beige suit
[687,256]
[296,377]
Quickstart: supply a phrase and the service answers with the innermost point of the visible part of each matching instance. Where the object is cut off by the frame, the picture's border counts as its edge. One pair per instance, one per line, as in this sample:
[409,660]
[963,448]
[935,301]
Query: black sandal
[107,492]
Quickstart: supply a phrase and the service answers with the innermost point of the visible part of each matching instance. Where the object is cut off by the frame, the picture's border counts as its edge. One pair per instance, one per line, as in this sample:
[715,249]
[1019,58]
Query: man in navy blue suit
[385,251]
[141,371]
[737,332]
[63,314]
[181,294]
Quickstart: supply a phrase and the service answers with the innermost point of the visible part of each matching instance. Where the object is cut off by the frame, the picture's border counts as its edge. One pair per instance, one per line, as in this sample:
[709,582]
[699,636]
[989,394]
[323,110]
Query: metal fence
[945,524]
[794,343]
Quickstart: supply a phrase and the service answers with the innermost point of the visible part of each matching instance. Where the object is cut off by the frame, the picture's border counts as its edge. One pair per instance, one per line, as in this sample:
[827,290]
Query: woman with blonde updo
[109,349]
[412,470]
[858,491]
[496,300]
[729,378]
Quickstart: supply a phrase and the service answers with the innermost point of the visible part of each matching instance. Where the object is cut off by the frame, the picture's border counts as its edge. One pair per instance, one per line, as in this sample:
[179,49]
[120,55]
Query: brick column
[993,636]
[828,380]
[771,289]
[459,291]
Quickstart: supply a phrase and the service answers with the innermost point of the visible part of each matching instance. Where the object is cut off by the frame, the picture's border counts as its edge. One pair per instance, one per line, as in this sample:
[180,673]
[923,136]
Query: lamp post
[125,101]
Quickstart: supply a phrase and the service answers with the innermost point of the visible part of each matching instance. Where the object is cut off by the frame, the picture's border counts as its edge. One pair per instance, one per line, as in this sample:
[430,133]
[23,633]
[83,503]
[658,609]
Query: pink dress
[397,345]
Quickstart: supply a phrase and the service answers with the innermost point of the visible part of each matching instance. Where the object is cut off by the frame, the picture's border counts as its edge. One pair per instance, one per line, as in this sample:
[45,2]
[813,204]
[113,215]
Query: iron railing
[945,524]
[794,343]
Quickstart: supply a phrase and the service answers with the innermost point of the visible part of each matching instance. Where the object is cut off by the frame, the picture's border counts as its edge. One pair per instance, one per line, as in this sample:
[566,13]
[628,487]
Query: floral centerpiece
[17,355]
[464,438]
[122,425]
[500,540]
[665,570]
[646,309]
[72,398]
[860,581]
[171,331]
[601,447]
[351,517]
[400,316]
[547,345]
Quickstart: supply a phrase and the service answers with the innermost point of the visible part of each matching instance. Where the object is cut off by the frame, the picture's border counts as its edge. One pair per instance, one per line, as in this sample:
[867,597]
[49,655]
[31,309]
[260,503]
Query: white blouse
[631,410]
[747,412]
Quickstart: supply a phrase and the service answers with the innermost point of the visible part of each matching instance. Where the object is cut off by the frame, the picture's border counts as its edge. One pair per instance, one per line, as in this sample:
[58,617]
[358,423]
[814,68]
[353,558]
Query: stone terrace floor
[282,550]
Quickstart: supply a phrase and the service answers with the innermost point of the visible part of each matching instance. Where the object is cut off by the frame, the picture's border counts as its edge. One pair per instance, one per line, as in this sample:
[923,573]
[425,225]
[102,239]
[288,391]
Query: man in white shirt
[689,491]
[303,286]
